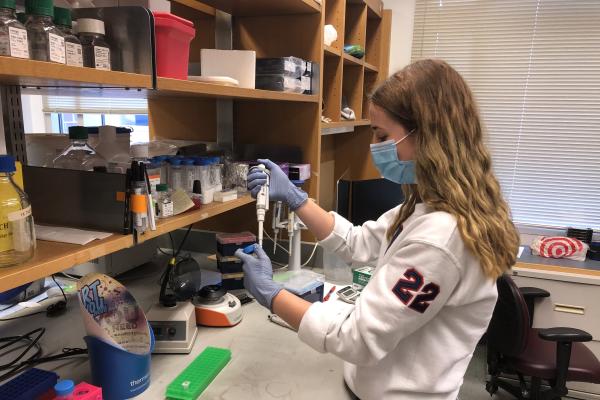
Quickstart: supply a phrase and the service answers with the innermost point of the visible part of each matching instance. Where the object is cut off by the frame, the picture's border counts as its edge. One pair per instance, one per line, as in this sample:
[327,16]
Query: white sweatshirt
[415,326]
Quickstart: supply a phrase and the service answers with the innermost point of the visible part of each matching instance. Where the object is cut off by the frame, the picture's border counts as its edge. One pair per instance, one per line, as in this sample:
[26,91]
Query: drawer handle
[569,309]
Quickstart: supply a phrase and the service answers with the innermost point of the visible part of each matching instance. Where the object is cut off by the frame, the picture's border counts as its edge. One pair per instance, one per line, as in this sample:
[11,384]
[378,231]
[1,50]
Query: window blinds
[94,105]
[534,66]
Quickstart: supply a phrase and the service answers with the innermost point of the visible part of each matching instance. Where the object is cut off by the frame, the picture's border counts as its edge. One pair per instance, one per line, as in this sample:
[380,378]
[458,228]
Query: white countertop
[268,361]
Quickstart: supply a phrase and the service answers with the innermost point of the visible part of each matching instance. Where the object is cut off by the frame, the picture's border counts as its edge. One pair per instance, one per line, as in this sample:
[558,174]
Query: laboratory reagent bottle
[73,49]
[13,35]
[80,155]
[46,41]
[96,52]
[17,234]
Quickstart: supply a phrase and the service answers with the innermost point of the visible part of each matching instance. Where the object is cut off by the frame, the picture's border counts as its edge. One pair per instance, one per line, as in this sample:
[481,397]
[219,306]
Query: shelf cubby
[352,88]
[332,88]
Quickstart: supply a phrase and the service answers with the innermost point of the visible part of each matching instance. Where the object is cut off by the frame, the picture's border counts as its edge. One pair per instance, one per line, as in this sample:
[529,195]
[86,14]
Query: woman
[413,330]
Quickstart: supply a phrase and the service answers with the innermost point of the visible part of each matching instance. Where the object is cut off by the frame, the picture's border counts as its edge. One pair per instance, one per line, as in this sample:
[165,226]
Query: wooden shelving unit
[193,216]
[245,8]
[53,257]
[344,144]
[15,71]
[167,87]
[188,110]
[343,124]
[331,51]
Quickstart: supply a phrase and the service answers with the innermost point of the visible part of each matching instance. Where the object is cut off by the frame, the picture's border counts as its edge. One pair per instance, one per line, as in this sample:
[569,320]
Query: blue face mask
[391,168]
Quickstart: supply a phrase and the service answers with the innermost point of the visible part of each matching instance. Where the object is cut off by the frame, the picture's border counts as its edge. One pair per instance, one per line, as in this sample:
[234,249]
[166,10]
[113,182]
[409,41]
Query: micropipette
[262,202]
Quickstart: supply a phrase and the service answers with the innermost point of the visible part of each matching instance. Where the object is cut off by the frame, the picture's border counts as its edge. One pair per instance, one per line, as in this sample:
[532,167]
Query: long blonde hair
[453,166]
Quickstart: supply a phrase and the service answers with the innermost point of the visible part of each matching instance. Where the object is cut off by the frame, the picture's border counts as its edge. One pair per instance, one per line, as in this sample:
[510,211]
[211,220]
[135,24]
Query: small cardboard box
[361,276]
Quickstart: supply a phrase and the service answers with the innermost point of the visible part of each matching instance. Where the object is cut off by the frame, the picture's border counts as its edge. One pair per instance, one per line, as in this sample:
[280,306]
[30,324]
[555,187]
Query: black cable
[164,252]
[16,366]
[183,240]
[60,287]
[166,276]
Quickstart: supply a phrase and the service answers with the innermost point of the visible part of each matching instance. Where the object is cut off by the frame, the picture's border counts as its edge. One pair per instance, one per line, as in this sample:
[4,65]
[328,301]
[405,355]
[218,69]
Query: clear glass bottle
[73,49]
[96,51]
[17,235]
[13,35]
[46,41]
[80,155]
[163,201]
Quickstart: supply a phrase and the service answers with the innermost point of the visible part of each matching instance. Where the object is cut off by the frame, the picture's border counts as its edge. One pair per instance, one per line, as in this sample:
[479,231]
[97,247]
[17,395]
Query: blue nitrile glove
[258,276]
[280,188]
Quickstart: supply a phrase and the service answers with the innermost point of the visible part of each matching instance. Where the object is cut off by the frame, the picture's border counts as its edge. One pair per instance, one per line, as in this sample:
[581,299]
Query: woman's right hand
[280,187]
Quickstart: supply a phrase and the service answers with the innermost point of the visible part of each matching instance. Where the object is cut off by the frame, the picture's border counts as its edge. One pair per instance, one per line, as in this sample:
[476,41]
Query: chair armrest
[529,295]
[533,292]
[564,335]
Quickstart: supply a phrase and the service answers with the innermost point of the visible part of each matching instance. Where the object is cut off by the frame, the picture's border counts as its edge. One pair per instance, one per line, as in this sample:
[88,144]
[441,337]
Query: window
[61,112]
[60,123]
[534,66]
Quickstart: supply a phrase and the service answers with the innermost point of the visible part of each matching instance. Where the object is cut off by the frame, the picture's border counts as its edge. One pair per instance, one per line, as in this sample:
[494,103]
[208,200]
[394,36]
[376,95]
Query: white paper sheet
[68,235]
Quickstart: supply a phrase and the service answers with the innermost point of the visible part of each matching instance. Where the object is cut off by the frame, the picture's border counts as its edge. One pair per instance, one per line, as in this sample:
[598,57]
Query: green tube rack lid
[196,377]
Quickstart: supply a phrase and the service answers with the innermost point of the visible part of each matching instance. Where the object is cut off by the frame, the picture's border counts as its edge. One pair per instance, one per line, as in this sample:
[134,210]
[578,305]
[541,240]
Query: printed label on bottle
[6,243]
[165,209]
[306,83]
[56,46]
[18,215]
[102,57]
[18,42]
[15,231]
[154,180]
[74,54]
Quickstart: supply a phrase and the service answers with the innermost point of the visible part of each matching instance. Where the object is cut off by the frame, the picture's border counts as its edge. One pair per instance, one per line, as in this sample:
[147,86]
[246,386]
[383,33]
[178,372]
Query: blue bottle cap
[175,161]
[202,161]
[64,387]
[7,163]
[249,249]
[188,161]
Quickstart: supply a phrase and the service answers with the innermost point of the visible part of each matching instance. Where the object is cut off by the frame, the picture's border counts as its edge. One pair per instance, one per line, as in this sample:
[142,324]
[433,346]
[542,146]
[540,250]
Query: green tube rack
[196,377]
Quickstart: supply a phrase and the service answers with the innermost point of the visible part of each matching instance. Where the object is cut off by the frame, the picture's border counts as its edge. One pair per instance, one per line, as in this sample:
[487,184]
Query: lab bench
[574,301]
[268,361]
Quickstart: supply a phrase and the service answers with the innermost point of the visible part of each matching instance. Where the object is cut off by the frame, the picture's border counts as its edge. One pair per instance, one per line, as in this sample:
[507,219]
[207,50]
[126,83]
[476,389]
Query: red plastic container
[173,36]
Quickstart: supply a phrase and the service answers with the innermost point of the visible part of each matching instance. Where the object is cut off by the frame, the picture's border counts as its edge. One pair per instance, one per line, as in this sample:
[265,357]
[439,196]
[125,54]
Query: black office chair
[553,355]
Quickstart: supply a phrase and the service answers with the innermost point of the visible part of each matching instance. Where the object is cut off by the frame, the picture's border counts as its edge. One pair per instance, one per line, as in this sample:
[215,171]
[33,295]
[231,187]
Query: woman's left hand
[258,276]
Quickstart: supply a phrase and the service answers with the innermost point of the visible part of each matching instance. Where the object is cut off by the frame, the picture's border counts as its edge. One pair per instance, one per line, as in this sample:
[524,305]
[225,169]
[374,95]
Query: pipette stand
[294,227]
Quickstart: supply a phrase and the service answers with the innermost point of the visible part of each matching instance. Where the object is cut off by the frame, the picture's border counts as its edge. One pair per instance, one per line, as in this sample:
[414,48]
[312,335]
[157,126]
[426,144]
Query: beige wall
[402,29]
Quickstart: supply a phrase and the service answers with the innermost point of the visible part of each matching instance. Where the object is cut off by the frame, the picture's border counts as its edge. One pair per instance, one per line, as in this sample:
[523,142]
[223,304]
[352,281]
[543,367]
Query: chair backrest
[508,329]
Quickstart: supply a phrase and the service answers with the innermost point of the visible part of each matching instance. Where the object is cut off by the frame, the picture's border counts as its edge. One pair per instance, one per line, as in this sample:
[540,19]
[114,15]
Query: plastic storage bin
[228,243]
[173,36]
